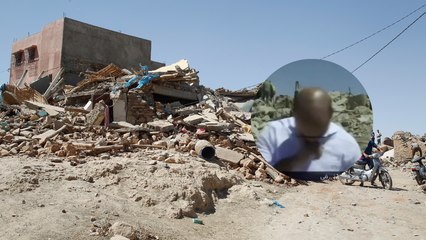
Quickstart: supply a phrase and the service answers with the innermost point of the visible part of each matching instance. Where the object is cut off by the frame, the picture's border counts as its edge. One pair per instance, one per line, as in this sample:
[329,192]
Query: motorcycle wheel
[386,180]
[419,180]
[346,181]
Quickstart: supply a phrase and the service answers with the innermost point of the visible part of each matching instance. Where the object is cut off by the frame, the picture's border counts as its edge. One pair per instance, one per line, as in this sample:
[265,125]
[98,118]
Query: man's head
[312,111]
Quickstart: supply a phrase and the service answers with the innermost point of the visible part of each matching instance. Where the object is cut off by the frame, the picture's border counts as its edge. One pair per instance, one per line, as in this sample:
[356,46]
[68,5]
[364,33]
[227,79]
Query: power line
[381,49]
[369,36]
[381,30]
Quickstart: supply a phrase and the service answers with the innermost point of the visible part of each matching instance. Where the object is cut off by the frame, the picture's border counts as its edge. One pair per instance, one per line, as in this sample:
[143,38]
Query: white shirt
[279,140]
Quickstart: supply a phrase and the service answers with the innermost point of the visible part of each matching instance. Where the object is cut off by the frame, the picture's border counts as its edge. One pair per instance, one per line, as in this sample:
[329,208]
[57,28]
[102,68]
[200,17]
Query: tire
[386,180]
[419,179]
[345,181]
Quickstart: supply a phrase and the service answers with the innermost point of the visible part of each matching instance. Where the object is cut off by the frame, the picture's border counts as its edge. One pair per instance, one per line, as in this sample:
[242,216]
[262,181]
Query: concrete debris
[193,119]
[113,112]
[229,155]
[161,125]
[124,230]
[402,146]
[97,115]
[388,155]
[205,149]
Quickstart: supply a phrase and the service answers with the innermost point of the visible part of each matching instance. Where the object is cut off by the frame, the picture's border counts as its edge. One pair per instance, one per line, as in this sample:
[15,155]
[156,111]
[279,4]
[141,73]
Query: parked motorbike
[358,172]
[419,170]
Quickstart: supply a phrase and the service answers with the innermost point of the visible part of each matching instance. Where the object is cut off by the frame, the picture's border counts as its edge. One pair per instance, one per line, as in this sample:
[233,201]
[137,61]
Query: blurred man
[308,146]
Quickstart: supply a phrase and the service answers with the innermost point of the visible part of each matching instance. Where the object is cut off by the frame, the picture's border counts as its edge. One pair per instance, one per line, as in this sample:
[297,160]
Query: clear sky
[239,43]
[315,73]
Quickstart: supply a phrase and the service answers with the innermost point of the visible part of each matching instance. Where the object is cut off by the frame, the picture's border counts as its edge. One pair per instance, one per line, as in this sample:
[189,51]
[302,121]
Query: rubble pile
[397,150]
[402,146]
[115,110]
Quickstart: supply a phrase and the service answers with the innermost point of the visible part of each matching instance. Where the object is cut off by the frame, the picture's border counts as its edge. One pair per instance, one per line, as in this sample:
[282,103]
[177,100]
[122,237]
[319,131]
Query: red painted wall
[49,47]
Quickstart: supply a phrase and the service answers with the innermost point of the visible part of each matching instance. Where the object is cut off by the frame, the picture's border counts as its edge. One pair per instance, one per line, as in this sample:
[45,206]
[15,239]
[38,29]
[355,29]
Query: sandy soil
[41,199]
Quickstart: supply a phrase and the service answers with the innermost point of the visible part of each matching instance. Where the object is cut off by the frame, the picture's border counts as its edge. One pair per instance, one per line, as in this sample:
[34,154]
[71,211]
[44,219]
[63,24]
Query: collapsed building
[67,51]
[99,102]
[117,110]
[73,47]
[134,97]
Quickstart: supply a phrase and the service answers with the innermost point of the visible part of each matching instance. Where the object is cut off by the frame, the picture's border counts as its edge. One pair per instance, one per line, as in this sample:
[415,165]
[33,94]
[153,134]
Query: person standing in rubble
[414,149]
[379,137]
[308,146]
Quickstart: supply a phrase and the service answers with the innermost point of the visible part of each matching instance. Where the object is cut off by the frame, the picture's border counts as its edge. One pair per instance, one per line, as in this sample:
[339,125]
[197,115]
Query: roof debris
[117,110]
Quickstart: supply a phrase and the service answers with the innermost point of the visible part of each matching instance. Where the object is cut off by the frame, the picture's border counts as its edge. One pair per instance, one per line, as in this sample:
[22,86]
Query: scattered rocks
[4,153]
[119,237]
[13,151]
[71,178]
[89,179]
[152,162]
[101,227]
[125,230]
[33,180]
[56,160]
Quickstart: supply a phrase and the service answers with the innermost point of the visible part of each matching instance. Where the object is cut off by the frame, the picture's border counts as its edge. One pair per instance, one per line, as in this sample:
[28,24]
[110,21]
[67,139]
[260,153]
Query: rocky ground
[141,198]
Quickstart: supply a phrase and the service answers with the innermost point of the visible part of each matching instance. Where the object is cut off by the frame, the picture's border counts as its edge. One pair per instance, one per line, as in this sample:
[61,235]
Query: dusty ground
[40,199]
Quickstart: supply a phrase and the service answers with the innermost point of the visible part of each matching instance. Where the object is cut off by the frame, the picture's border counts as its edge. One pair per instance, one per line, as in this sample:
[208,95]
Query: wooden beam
[22,78]
[36,105]
[53,84]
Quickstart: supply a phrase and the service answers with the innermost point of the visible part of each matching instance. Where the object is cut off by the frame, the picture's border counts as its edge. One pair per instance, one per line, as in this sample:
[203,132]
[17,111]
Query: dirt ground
[50,199]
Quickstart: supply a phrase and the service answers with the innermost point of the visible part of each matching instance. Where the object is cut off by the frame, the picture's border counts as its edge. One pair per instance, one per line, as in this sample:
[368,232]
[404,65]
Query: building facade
[77,47]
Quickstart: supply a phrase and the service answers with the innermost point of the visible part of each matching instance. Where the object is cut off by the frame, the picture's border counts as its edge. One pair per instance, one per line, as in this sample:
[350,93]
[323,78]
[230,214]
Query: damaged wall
[138,110]
[77,47]
[131,107]
[48,45]
[86,44]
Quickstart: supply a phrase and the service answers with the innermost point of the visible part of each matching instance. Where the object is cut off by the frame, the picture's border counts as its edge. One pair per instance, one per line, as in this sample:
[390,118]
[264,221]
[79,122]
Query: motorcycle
[359,173]
[419,170]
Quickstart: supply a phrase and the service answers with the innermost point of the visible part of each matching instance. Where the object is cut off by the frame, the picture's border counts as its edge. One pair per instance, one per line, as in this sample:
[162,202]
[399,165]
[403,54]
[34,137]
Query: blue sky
[240,43]
[315,73]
